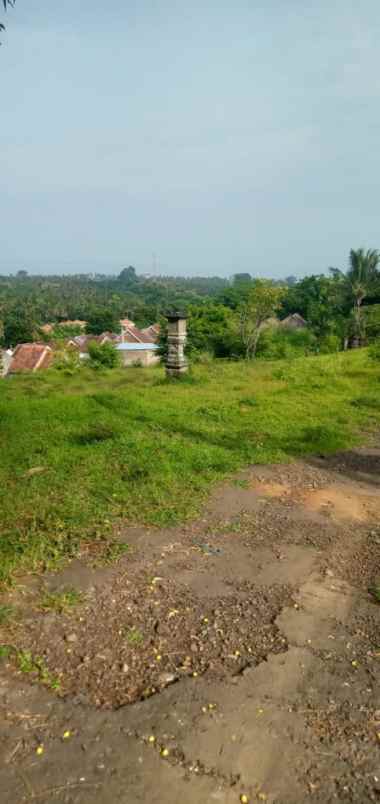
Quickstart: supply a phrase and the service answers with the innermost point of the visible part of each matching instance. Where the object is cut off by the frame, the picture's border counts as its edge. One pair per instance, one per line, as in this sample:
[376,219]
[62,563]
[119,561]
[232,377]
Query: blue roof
[133,347]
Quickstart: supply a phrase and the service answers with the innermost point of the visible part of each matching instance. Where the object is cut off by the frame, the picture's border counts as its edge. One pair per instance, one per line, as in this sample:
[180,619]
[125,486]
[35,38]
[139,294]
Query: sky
[202,138]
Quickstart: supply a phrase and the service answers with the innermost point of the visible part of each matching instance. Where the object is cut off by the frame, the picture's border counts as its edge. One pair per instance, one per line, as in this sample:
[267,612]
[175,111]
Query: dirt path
[236,659]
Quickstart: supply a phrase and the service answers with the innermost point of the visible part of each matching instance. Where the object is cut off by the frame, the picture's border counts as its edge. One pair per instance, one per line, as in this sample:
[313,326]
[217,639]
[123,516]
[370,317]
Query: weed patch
[61,602]
[94,435]
[7,614]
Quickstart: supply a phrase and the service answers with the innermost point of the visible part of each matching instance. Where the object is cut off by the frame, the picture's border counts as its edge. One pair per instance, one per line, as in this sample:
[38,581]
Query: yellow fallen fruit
[40,750]
[152,739]
[165,752]
[244,799]
[66,734]
[158,657]
[195,674]
[354,663]
[263,796]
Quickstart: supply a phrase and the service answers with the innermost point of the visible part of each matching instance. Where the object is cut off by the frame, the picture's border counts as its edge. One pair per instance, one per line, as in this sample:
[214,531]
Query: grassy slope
[126,443]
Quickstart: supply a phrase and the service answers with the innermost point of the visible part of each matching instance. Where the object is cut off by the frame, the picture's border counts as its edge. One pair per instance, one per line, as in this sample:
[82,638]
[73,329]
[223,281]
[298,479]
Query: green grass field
[80,452]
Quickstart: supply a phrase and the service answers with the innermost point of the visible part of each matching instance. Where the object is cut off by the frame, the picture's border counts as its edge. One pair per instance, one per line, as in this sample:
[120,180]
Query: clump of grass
[111,552]
[134,636]
[61,602]
[375,591]
[95,434]
[241,483]
[367,402]
[27,663]
[248,401]
[5,652]
[7,614]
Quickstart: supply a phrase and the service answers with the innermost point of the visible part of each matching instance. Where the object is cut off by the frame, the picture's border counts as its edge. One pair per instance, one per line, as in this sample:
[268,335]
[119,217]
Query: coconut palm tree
[5,4]
[360,278]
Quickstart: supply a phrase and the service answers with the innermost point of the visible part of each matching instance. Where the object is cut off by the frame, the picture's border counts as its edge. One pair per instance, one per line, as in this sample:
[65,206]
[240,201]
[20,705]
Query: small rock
[71,638]
[167,678]
[330,573]
[194,647]
[125,668]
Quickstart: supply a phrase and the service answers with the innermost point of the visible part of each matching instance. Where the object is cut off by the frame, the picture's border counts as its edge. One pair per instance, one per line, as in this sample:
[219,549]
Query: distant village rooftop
[30,357]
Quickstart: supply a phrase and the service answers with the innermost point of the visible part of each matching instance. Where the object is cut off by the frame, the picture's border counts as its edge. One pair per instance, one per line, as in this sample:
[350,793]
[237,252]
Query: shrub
[329,344]
[374,351]
[103,355]
[275,344]
[67,360]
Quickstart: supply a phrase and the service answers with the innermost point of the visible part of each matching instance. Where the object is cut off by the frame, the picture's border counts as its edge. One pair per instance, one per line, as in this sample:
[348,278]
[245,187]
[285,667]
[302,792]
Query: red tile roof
[30,357]
[152,332]
[133,335]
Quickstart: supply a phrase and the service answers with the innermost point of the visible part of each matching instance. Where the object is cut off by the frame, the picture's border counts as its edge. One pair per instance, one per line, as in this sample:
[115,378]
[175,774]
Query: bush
[374,351]
[203,358]
[330,344]
[103,355]
[67,360]
[276,344]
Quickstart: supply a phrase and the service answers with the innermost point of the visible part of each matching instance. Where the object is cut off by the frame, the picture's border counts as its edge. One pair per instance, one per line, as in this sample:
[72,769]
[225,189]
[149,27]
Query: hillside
[83,453]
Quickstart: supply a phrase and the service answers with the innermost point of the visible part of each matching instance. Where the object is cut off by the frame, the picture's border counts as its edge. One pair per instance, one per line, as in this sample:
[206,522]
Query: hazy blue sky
[221,136]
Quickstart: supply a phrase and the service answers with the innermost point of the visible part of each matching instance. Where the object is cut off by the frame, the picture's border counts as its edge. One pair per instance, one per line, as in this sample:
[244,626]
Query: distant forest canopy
[335,306]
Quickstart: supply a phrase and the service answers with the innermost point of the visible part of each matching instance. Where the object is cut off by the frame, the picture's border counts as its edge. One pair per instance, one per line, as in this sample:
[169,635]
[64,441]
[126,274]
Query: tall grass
[128,444]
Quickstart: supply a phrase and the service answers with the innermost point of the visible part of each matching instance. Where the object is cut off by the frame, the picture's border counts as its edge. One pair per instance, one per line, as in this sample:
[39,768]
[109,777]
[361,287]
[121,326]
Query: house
[126,322]
[143,354]
[81,342]
[270,323]
[30,357]
[76,323]
[108,337]
[152,332]
[294,321]
[131,334]
[49,328]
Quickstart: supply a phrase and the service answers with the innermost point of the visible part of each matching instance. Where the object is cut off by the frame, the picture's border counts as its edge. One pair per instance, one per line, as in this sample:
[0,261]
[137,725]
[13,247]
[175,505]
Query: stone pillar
[176,363]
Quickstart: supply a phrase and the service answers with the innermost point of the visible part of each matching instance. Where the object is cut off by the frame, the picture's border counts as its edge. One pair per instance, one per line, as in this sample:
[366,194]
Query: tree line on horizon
[225,316]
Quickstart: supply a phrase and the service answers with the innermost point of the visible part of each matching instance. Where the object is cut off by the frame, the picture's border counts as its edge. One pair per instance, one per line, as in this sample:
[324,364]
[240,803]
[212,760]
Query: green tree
[242,279]
[322,302]
[361,278]
[18,328]
[212,328]
[128,276]
[6,3]
[263,301]
[103,355]
[102,319]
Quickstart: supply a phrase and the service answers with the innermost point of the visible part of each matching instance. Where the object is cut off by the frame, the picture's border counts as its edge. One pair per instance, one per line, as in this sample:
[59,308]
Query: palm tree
[360,277]
[5,4]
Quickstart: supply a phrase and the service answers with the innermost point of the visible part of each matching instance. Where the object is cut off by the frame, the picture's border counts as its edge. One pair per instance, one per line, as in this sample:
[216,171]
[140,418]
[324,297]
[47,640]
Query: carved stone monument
[176,363]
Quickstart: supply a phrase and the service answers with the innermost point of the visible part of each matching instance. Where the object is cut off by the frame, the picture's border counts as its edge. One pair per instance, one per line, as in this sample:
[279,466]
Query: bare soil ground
[234,659]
